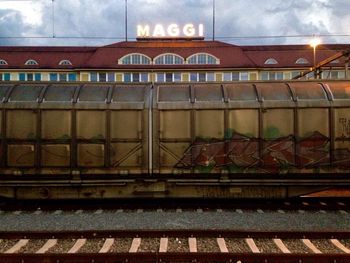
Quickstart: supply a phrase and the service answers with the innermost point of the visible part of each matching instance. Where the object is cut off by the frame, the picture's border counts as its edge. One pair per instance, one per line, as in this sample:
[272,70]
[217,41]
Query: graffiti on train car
[345,124]
[242,153]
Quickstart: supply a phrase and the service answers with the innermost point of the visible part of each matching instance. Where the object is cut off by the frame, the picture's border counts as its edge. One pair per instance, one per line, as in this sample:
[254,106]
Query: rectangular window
[295,73]
[201,77]
[93,76]
[22,76]
[168,77]
[37,76]
[102,77]
[63,77]
[235,76]
[53,76]
[160,77]
[135,77]
[244,76]
[72,77]
[30,77]
[227,76]
[210,76]
[0,77]
[264,76]
[193,77]
[7,76]
[144,77]
[111,77]
[127,77]
[279,75]
[334,74]
[177,77]
[272,75]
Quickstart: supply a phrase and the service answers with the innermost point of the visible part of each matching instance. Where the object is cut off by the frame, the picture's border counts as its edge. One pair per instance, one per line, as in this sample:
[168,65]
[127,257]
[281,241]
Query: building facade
[175,60]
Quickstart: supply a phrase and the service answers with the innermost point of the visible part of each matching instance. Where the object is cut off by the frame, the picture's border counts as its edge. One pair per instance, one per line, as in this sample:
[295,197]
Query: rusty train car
[160,140]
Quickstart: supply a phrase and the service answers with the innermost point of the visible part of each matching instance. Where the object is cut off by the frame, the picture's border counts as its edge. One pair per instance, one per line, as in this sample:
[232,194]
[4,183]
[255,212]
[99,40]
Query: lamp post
[314,43]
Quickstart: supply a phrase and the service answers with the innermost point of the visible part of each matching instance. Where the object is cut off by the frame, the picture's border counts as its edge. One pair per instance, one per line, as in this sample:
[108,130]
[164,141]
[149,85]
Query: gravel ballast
[296,246]
[92,245]
[62,246]
[178,245]
[121,245]
[149,245]
[207,245]
[266,245]
[6,244]
[325,246]
[237,245]
[33,246]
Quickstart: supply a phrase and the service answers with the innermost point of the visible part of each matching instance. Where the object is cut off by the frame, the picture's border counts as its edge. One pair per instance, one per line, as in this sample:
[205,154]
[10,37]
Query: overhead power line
[217,37]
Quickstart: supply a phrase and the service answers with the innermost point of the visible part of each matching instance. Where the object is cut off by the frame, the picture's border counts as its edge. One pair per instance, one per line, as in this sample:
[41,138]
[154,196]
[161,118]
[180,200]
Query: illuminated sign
[172,30]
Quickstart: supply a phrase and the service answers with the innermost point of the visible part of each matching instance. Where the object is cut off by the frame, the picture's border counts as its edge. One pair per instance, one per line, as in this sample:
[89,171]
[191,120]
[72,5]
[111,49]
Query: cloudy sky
[30,22]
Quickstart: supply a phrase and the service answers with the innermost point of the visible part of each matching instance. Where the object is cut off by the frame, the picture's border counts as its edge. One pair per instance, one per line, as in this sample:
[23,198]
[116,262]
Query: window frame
[133,56]
[31,62]
[195,57]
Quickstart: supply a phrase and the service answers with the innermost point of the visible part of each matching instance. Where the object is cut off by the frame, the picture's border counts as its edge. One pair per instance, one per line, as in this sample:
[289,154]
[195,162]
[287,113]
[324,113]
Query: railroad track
[174,246]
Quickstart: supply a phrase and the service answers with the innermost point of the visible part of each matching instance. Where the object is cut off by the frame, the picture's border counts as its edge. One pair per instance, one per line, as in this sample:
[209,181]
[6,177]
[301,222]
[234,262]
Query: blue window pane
[210,77]
[127,77]
[201,77]
[193,77]
[111,77]
[235,76]
[22,76]
[227,76]
[72,77]
[160,77]
[63,77]
[37,76]
[177,77]
[53,76]
[93,76]
[144,77]
[7,76]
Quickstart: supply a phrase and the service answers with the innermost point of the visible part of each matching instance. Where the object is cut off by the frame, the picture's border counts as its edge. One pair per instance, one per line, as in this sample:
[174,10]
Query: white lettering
[173,30]
[201,30]
[143,31]
[158,31]
[189,30]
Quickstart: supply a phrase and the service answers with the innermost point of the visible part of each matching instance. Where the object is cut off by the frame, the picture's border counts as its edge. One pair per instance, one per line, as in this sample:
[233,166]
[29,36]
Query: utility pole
[213,20]
[126,20]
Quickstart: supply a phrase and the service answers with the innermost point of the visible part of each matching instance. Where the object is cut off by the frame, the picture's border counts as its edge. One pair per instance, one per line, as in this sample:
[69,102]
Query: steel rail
[173,257]
[328,234]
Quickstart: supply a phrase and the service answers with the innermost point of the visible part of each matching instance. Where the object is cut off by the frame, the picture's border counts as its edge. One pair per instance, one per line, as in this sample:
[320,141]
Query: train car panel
[209,124]
[243,121]
[21,155]
[91,125]
[21,124]
[55,155]
[91,155]
[56,124]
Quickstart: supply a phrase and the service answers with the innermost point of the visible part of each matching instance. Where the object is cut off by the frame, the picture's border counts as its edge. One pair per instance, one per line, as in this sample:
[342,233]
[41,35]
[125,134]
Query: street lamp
[314,43]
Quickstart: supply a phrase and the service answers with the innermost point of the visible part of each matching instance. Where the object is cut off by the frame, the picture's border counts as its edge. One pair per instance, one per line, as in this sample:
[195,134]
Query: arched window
[302,61]
[271,61]
[3,62]
[31,62]
[202,58]
[135,59]
[168,59]
[65,62]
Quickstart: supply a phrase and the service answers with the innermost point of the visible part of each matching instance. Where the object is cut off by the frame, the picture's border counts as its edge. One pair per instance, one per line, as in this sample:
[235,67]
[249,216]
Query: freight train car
[227,140]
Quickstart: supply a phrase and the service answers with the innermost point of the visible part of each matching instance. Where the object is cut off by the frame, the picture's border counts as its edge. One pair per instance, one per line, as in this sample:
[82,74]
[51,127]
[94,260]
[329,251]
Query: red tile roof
[106,57]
